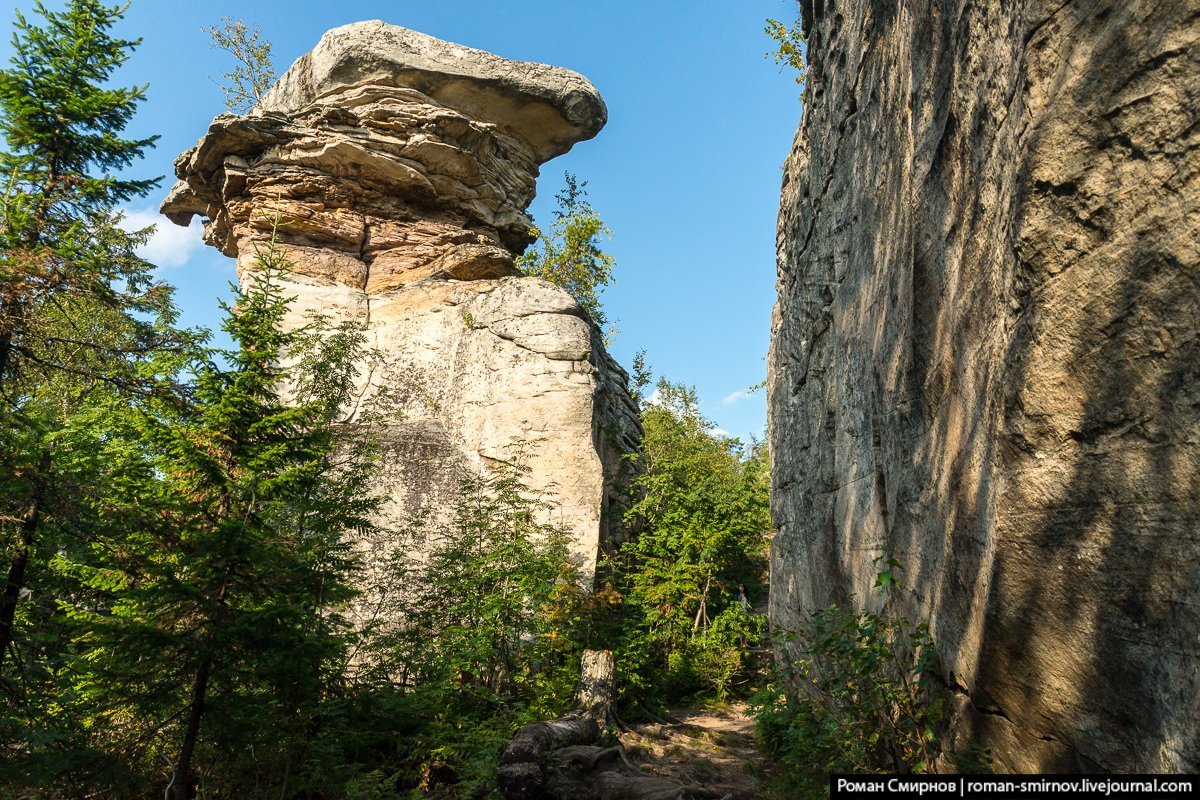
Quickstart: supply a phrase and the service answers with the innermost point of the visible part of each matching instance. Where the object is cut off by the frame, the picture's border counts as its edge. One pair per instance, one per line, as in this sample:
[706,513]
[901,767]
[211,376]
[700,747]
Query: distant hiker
[742,600]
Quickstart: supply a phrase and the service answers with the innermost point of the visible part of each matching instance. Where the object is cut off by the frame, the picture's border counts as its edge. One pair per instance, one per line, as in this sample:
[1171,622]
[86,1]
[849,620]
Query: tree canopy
[568,253]
[702,520]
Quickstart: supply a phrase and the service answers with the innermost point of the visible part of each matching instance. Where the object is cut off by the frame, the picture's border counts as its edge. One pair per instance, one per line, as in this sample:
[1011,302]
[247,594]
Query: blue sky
[686,173]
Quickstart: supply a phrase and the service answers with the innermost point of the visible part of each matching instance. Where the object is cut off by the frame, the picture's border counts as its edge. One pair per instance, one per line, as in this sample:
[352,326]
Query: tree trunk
[16,573]
[183,784]
[521,774]
[597,685]
[5,353]
[702,611]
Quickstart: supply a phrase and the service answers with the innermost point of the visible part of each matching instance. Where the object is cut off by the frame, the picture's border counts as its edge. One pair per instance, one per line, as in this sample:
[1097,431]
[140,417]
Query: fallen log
[559,760]
[521,774]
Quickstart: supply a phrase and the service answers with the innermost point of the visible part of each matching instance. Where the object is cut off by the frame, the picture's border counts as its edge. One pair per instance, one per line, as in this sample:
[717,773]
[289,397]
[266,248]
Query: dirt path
[715,749]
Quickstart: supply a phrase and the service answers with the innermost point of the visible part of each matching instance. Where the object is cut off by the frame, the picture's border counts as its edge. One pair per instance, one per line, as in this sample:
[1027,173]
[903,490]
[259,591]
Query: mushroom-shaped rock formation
[549,108]
[394,170]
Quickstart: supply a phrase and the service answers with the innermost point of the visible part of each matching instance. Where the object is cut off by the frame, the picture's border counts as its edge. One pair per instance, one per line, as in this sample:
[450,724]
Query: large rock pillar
[393,170]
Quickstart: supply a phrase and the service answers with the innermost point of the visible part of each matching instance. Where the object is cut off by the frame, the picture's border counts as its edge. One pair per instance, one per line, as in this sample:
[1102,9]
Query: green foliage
[702,518]
[82,322]
[861,696]
[61,119]
[790,46]
[975,760]
[568,253]
[641,377]
[207,602]
[485,629]
[65,262]
[204,611]
[260,564]
[253,74]
[482,595]
[723,656]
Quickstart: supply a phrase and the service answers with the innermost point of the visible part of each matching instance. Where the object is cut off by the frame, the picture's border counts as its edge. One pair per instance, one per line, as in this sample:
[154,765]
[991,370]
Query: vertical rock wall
[393,170]
[985,359]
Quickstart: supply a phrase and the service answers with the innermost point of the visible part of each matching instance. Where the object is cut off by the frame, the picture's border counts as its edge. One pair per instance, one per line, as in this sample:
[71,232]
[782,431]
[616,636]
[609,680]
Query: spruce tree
[62,125]
[221,627]
[79,311]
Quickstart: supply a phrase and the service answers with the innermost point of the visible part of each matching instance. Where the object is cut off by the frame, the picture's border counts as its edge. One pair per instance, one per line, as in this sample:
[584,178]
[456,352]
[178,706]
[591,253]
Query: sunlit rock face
[985,359]
[394,171]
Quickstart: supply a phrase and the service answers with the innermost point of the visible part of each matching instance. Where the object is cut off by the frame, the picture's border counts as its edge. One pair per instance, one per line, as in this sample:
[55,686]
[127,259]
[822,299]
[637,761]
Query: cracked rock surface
[985,359]
[394,171]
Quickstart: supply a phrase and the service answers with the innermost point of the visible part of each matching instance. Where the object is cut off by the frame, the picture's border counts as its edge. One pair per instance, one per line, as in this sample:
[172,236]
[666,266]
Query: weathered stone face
[985,357]
[548,108]
[394,170]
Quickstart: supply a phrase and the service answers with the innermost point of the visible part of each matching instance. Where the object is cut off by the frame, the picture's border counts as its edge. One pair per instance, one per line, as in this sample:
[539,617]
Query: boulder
[548,107]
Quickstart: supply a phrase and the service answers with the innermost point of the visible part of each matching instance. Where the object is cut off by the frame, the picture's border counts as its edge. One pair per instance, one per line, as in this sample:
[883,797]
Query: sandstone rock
[394,171]
[985,357]
[548,107]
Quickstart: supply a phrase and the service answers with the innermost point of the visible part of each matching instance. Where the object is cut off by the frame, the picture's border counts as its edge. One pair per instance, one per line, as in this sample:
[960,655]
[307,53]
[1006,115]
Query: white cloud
[655,398]
[733,397]
[169,245]
[720,432]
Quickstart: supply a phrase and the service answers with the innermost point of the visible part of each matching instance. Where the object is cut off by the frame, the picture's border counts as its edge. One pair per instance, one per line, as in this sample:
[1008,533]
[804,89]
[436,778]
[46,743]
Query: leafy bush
[568,252]
[862,696]
[478,637]
[790,45]
[724,651]
[701,516]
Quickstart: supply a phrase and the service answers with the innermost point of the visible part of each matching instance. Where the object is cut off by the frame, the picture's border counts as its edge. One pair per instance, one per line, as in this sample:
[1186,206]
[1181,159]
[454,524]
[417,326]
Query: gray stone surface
[386,169]
[550,107]
[985,357]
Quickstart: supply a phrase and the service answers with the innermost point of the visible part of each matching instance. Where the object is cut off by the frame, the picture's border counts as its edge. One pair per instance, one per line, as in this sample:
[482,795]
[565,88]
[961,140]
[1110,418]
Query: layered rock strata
[393,170]
[985,360]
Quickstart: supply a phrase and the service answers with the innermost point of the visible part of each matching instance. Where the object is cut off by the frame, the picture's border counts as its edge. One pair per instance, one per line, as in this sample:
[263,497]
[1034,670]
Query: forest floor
[711,748]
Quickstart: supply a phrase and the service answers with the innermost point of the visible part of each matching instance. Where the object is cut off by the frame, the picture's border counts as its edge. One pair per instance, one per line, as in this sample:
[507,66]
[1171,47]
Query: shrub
[862,695]
[568,253]
[700,512]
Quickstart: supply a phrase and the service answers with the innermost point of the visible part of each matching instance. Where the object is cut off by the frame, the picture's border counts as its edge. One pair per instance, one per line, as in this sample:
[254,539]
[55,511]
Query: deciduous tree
[702,515]
[253,73]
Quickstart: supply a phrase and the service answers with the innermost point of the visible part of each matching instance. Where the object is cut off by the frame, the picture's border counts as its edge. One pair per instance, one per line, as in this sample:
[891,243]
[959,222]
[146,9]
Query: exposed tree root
[560,759]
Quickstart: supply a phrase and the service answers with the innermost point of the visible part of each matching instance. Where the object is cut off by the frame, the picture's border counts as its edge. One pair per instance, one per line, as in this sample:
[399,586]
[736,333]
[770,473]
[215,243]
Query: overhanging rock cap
[551,108]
